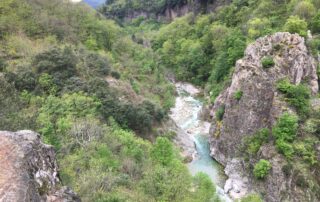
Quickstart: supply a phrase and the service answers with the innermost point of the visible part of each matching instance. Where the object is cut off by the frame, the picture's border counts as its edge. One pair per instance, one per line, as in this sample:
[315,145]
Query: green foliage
[238,94]
[115,75]
[267,62]
[162,151]
[251,198]
[204,187]
[285,132]
[315,23]
[47,84]
[220,112]
[305,10]
[261,169]
[57,115]
[305,150]
[296,25]
[297,96]
[301,181]
[258,27]
[287,169]
[61,62]
[253,143]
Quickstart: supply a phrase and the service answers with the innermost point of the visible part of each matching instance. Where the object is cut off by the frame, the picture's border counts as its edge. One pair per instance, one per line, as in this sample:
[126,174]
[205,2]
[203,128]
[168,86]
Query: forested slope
[203,49]
[90,91]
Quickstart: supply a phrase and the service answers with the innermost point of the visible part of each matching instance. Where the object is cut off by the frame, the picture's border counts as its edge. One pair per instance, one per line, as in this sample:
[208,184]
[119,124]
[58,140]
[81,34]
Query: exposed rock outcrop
[170,12]
[259,107]
[29,171]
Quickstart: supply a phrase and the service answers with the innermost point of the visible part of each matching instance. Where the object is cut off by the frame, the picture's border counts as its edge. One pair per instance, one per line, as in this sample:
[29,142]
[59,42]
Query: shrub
[253,143]
[285,132]
[251,198]
[287,169]
[56,60]
[98,64]
[115,75]
[297,95]
[301,181]
[261,169]
[238,94]
[286,127]
[204,188]
[267,62]
[220,113]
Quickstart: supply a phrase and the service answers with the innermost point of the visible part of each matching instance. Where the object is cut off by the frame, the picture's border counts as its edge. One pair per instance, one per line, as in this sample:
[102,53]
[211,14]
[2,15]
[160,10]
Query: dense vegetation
[90,90]
[97,91]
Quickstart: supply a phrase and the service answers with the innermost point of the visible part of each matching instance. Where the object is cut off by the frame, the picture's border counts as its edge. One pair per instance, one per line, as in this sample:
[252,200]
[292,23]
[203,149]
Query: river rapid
[185,115]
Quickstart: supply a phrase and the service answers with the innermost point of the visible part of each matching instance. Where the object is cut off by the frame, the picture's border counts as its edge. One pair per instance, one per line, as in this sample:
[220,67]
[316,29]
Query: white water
[185,114]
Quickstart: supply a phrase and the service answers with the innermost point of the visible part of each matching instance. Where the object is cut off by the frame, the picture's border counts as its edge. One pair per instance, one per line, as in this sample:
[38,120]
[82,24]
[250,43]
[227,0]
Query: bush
[261,169]
[98,64]
[295,25]
[162,151]
[204,188]
[301,181]
[253,143]
[267,62]
[251,198]
[220,113]
[238,95]
[56,60]
[297,95]
[287,169]
[115,75]
[285,132]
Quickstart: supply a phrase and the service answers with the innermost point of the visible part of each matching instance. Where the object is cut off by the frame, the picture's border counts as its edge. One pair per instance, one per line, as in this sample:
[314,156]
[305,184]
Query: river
[185,115]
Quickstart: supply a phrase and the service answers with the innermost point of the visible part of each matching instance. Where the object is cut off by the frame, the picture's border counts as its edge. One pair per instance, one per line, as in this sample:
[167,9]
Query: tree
[296,25]
[162,151]
[56,60]
[315,23]
[258,27]
[204,188]
[305,10]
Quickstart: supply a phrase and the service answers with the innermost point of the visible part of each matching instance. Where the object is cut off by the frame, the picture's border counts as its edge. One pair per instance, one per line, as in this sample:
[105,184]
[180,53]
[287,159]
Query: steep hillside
[95,86]
[263,116]
[92,92]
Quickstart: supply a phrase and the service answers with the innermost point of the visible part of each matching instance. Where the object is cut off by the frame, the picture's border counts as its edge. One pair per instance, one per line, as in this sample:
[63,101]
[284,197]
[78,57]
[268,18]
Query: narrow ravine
[185,115]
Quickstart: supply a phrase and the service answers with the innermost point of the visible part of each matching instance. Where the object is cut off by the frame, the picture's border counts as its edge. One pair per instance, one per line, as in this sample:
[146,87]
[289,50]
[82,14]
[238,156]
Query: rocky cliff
[29,170]
[259,107]
[169,11]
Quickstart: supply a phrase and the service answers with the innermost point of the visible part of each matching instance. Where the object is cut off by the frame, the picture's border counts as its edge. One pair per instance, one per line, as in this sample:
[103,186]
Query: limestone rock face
[28,170]
[260,104]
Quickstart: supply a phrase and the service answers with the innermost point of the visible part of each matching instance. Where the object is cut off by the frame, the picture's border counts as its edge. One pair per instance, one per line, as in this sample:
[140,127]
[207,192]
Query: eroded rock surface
[29,171]
[259,107]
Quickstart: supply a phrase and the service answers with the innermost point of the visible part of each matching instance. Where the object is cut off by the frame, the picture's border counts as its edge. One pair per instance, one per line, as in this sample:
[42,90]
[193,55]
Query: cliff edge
[29,170]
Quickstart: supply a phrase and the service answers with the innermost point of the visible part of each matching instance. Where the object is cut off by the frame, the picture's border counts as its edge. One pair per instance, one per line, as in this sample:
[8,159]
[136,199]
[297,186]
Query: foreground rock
[28,170]
[259,107]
